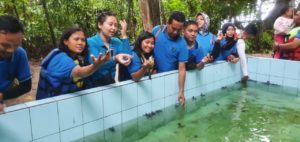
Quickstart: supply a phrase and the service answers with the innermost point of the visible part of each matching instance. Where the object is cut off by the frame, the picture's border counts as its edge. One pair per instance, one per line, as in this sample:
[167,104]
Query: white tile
[44,120]
[143,109]
[129,115]
[129,96]
[112,120]
[15,108]
[171,100]
[292,69]
[200,77]
[252,64]
[50,138]
[15,126]
[93,127]
[209,73]
[157,105]
[144,92]
[262,78]
[92,107]
[70,113]
[276,80]
[263,66]
[190,82]
[72,134]
[277,68]
[112,101]
[290,82]
[171,84]
[252,76]
[158,88]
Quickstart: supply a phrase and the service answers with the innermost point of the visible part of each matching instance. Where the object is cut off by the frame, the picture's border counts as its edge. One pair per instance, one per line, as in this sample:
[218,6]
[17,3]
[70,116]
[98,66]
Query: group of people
[286,35]
[80,63]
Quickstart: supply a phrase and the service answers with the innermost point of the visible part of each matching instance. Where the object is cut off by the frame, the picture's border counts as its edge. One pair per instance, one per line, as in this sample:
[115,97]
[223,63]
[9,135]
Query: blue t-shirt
[168,52]
[60,69]
[298,34]
[17,67]
[206,42]
[135,64]
[195,53]
[96,46]
[225,53]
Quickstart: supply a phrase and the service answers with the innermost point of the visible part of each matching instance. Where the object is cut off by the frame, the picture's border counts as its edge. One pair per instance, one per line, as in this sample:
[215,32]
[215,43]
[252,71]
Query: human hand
[101,58]
[124,59]
[181,98]
[123,24]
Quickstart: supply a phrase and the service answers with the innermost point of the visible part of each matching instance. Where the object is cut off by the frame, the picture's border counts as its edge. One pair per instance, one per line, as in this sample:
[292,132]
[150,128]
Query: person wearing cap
[15,79]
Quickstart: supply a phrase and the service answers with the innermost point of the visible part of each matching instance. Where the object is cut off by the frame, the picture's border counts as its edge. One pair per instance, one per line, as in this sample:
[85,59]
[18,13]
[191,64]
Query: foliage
[83,13]
[262,44]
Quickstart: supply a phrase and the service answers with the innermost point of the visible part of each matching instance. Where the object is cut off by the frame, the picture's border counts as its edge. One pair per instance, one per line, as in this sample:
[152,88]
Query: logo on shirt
[173,49]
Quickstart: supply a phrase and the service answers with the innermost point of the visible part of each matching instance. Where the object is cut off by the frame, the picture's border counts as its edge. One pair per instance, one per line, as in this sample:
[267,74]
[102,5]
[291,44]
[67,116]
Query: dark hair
[225,27]
[284,10]
[138,43]
[189,22]
[65,36]
[103,16]
[176,15]
[199,14]
[10,24]
[251,29]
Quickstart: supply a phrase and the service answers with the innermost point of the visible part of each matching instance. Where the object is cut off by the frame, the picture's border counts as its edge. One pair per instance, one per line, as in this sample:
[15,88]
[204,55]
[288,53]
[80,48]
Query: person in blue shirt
[104,41]
[170,50]
[142,61]
[64,68]
[205,38]
[15,76]
[226,43]
[196,59]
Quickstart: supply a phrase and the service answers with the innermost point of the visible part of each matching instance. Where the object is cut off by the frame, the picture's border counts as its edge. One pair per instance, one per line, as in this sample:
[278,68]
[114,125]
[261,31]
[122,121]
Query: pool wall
[74,116]
[275,71]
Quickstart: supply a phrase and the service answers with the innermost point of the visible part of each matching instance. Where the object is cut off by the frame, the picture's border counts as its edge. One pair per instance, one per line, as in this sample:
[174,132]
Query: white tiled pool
[77,115]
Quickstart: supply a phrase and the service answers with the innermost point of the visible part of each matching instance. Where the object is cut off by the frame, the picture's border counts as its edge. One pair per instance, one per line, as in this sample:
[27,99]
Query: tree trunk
[49,22]
[275,12]
[130,19]
[15,8]
[150,10]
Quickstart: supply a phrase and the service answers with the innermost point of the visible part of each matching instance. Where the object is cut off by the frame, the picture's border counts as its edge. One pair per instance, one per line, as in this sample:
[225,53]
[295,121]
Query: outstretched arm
[16,91]
[181,79]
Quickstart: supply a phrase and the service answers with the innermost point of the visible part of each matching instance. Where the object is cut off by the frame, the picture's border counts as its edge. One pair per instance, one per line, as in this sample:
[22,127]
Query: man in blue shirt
[15,78]
[170,50]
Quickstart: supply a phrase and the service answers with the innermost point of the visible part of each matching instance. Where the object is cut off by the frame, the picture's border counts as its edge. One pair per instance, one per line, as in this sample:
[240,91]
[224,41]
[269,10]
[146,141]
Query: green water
[258,113]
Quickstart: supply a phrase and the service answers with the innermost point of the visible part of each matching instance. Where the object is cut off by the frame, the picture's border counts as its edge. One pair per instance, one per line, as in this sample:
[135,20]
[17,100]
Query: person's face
[76,42]
[230,31]
[289,12]
[190,32]
[147,45]
[200,20]
[174,29]
[9,42]
[109,27]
